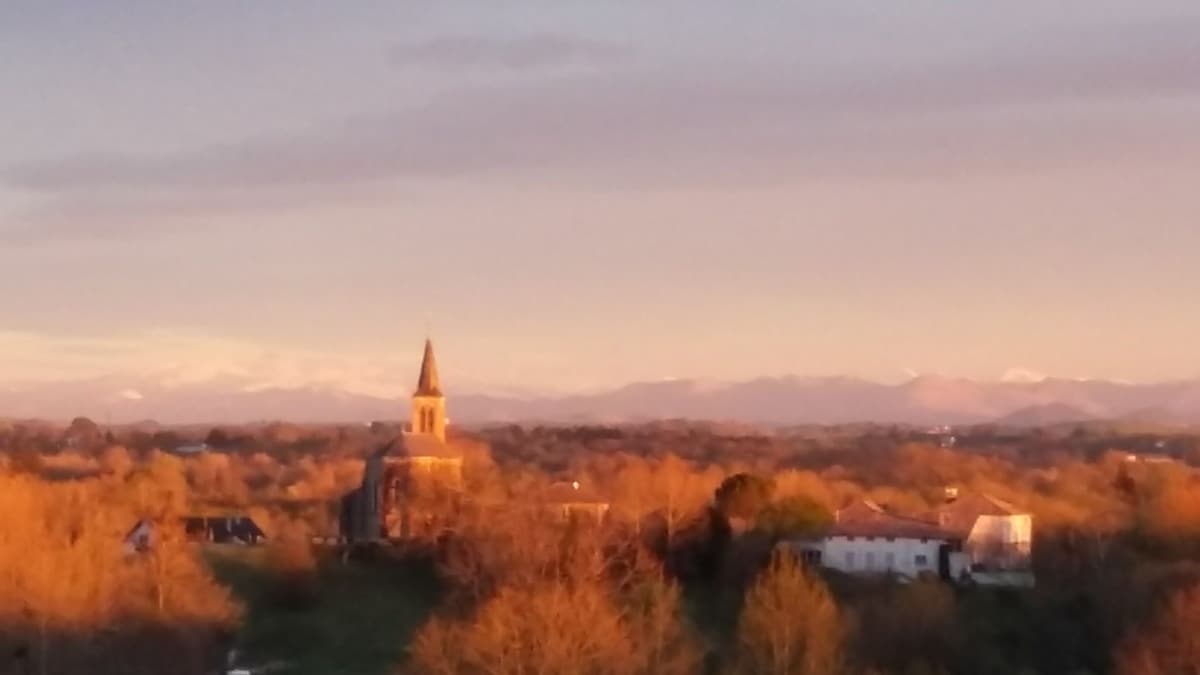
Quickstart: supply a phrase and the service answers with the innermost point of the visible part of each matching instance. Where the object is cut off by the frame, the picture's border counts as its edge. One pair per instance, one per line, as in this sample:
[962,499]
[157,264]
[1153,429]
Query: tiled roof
[953,520]
[960,515]
[868,519]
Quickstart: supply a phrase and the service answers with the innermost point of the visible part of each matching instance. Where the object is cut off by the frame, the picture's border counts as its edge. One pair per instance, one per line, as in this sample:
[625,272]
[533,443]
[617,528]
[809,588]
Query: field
[361,624]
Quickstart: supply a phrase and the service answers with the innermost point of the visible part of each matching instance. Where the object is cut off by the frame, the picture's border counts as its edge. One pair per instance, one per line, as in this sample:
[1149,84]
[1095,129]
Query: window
[889,561]
[870,561]
[922,561]
[849,560]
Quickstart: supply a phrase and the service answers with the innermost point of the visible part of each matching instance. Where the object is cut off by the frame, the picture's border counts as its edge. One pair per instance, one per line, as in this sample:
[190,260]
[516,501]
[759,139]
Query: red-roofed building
[866,538]
[975,537]
[996,536]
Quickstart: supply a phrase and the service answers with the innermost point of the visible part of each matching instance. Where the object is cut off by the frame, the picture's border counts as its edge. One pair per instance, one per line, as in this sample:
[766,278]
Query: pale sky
[581,194]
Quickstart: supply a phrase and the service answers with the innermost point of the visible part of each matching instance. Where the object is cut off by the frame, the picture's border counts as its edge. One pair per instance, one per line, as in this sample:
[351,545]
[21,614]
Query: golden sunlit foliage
[677,577]
[71,596]
[790,624]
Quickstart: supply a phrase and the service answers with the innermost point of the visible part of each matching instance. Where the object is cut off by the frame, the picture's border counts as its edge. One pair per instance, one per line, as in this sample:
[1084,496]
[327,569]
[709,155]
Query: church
[414,482]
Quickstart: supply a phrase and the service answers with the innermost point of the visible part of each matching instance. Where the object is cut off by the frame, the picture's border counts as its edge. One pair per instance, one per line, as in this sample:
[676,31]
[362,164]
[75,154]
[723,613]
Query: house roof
[139,525]
[960,515]
[412,446]
[428,383]
[239,527]
[865,518]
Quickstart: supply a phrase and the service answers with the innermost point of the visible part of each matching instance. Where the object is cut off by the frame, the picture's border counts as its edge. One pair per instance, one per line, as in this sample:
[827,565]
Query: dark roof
[221,529]
[865,518]
[217,528]
[427,382]
[137,526]
[419,445]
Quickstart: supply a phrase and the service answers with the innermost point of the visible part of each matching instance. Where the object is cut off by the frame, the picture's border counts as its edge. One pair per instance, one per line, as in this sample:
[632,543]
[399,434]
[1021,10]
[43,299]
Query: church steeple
[428,402]
[428,383]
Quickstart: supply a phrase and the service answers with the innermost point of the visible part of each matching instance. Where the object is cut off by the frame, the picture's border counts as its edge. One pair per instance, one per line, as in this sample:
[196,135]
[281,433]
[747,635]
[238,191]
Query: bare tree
[790,624]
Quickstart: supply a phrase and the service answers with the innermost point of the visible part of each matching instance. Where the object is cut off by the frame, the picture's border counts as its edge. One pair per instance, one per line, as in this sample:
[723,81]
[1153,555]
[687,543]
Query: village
[412,492]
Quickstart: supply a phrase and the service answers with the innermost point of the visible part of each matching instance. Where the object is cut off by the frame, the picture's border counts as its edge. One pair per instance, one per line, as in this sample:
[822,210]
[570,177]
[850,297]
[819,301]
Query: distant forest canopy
[1116,526]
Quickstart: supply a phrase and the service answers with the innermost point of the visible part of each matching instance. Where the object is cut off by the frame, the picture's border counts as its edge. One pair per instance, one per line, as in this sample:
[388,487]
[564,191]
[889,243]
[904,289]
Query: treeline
[678,579]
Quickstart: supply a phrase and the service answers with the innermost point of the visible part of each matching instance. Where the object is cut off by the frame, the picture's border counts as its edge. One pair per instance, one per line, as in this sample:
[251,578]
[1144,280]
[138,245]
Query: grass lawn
[361,625]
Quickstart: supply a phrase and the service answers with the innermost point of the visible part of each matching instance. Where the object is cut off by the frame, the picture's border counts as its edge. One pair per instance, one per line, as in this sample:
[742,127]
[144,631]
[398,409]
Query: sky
[575,195]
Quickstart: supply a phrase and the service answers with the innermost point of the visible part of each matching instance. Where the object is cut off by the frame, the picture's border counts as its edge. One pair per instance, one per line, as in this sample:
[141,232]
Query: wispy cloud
[453,52]
[689,127]
[97,215]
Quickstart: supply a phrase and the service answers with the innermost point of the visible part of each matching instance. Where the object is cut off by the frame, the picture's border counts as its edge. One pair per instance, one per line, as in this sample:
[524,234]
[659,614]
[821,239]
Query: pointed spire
[428,383]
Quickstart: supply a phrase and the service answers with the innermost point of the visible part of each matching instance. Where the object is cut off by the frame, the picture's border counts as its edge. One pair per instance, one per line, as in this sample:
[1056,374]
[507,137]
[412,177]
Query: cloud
[1049,104]
[456,52]
[118,216]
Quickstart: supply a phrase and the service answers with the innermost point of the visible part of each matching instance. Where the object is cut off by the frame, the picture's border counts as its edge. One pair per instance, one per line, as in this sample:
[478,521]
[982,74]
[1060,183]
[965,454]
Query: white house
[867,539]
[192,449]
[997,537]
[976,538]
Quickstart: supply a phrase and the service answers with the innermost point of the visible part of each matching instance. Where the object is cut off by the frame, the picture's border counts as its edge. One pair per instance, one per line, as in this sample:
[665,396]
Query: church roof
[412,446]
[428,383]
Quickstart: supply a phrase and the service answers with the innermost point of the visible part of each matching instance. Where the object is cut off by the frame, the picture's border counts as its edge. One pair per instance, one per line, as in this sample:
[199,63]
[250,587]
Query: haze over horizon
[573,196]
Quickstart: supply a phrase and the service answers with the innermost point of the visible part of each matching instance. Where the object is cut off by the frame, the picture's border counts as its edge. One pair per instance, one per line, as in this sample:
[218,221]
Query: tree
[293,568]
[743,495]
[562,626]
[115,461]
[910,627]
[550,628]
[794,517]
[78,601]
[790,624]
[159,489]
[662,643]
[217,438]
[1168,645]
[680,491]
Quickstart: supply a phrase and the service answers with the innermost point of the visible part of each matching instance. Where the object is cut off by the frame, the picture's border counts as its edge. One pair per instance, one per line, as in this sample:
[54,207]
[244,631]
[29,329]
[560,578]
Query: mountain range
[924,400]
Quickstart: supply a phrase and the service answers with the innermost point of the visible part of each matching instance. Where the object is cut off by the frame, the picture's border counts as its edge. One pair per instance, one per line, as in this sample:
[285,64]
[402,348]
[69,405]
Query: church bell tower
[428,402]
